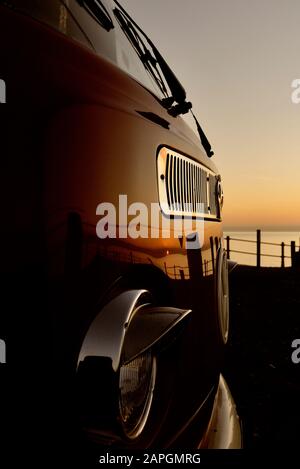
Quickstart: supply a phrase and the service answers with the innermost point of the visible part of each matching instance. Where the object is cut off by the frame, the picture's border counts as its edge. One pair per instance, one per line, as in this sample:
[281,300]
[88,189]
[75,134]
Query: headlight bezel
[127,328]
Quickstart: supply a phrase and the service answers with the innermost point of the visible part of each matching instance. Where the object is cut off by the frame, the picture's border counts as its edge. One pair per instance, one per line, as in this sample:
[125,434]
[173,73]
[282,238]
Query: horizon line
[262,228]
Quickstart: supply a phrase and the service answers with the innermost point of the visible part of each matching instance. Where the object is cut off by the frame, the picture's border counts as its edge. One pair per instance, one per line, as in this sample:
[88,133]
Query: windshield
[154,63]
[144,53]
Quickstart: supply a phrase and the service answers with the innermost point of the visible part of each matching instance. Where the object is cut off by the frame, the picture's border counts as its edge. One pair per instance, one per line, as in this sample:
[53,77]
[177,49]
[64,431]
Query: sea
[248,247]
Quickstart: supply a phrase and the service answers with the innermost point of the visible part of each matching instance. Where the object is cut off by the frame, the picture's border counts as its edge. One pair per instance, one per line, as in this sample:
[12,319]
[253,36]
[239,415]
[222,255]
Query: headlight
[136,384]
[116,368]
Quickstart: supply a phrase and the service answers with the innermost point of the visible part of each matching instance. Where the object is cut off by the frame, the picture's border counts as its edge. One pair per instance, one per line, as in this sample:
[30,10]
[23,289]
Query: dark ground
[265,383]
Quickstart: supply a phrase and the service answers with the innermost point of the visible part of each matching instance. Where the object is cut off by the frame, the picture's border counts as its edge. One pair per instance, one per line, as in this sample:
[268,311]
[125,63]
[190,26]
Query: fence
[293,253]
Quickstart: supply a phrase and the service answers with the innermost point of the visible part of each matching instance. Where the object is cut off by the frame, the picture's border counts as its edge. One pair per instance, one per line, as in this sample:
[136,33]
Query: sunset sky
[237,60]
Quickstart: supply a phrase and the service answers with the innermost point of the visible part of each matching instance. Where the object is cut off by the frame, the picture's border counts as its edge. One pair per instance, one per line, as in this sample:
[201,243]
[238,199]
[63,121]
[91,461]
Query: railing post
[258,245]
[228,246]
[211,239]
[293,252]
[282,254]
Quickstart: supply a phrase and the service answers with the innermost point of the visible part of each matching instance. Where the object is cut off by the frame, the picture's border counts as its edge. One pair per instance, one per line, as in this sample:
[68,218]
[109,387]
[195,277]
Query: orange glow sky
[237,60]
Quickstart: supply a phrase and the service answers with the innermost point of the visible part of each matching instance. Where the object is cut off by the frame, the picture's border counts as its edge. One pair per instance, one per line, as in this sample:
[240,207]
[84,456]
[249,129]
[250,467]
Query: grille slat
[188,182]
[178,184]
[198,187]
[167,179]
[191,186]
[169,183]
[194,188]
[174,183]
[182,184]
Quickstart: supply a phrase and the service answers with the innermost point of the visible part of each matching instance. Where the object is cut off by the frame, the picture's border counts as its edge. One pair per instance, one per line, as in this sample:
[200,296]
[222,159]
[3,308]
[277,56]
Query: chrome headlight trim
[127,329]
[223,295]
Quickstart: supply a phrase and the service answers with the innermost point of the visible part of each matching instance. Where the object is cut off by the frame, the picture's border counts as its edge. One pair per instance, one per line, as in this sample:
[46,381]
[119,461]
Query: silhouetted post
[293,252]
[258,244]
[211,239]
[228,246]
[282,254]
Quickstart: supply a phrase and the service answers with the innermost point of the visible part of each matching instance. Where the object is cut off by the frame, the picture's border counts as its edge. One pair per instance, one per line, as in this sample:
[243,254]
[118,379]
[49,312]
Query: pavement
[265,383]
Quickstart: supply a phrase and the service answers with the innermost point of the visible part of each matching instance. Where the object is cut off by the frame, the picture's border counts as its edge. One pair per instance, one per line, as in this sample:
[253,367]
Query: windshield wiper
[154,64]
[96,9]
[149,61]
[175,101]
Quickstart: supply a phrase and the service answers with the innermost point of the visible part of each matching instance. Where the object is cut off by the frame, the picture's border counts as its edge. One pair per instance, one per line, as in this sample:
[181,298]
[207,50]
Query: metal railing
[258,242]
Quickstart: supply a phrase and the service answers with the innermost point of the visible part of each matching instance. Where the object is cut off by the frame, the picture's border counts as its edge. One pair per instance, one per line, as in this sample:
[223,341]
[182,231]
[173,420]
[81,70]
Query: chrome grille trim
[212,194]
[185,184]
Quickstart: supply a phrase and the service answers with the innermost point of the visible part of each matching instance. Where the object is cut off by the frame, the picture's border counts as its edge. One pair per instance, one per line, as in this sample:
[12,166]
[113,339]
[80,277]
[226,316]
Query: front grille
[185,186]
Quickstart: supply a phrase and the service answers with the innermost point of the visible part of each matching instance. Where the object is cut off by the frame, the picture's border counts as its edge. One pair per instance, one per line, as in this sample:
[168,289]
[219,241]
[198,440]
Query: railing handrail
[254,254]
[262,242]
[258,252]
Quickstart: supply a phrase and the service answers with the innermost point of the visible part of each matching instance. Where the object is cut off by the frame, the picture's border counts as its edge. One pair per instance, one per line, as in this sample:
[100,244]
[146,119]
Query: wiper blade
[177,90]
[148,60]
[98,11]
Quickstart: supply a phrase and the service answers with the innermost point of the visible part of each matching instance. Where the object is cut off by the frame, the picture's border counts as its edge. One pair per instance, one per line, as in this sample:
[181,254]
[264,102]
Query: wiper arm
[151,60]
[204,141]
